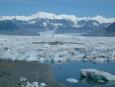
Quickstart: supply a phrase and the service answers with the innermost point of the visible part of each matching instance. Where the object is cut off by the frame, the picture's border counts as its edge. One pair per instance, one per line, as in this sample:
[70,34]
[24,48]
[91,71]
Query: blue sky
[77,7]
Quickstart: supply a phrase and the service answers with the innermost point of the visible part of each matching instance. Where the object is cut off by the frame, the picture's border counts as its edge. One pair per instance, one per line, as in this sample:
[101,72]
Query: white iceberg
[97,75]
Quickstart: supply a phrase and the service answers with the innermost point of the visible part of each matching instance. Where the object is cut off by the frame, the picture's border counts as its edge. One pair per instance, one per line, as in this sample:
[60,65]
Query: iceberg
[97,75]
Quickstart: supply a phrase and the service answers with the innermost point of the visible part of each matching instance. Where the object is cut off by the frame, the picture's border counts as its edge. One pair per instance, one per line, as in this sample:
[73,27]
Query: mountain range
[58,24]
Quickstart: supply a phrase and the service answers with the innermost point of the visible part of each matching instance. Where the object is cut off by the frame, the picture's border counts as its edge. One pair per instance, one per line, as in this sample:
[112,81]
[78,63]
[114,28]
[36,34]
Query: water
[72,70]
[11,71]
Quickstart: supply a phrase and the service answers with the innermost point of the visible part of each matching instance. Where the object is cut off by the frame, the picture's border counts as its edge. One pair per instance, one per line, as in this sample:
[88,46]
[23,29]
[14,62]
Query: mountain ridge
[42,21]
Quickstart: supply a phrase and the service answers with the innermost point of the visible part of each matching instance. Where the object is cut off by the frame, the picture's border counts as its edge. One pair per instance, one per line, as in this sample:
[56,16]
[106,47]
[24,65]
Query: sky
[79,8]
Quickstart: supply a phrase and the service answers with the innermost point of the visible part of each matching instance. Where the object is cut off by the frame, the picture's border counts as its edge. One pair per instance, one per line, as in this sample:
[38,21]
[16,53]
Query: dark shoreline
[12,71]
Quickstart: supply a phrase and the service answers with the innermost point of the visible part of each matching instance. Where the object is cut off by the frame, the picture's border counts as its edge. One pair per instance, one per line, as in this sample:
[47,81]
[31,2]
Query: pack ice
[59,48]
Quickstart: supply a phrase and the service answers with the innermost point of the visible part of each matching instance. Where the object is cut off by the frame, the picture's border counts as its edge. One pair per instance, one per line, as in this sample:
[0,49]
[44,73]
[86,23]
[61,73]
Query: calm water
[72,70]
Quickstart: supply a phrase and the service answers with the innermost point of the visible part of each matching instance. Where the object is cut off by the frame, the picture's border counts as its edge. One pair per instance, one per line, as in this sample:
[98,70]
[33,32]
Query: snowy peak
[102,19]
[42,21]
[52,16]
[42,15]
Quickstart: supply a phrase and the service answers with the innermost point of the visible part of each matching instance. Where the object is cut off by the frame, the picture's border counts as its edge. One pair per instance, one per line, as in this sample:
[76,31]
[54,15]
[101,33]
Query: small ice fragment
[42,85]
[22,79]
[72,80]
[35,84]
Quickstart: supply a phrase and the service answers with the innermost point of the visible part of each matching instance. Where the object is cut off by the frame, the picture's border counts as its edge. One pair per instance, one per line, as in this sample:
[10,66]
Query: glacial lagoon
[54,62]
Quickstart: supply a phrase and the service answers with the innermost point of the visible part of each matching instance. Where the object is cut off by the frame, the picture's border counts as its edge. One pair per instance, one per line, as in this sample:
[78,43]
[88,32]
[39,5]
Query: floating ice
[42,85]
[72,80]
[35,84]
[27,83]
[37,48]
[22,79]
[97,75]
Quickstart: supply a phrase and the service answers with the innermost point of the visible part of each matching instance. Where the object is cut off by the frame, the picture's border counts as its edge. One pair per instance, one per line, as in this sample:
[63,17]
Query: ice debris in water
[60,49]
[27,83]
[97,75]
[35,84]
[43,85]
[22,79]
[72,80]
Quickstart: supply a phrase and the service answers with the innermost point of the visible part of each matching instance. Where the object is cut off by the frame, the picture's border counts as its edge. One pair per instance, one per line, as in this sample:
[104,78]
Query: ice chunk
[41,60]
[97,75]
[22,79]
[35,84]
[42,85]
[46,45]
[72,80]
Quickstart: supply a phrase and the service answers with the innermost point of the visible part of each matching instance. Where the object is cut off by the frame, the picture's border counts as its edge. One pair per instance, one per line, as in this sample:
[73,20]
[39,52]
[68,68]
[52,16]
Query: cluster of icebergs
[59,48]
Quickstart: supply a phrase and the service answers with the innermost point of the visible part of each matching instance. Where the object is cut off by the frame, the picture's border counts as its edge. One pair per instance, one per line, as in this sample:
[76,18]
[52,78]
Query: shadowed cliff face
[110,30]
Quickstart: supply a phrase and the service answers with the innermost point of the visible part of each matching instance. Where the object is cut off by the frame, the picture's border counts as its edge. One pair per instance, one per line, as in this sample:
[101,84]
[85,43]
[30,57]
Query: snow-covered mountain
[41,21]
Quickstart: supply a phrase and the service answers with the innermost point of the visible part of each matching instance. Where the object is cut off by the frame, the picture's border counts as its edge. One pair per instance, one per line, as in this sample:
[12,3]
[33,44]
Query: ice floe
[72,80]
[97,75]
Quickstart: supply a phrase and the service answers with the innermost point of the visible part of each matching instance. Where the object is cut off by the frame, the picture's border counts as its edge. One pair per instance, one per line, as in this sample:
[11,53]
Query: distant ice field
[57,48]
